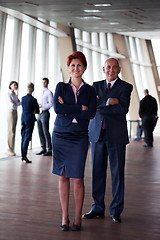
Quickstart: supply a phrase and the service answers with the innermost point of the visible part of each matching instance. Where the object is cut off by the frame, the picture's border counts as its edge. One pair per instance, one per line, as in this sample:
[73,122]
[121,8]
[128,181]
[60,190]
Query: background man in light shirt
[45,104]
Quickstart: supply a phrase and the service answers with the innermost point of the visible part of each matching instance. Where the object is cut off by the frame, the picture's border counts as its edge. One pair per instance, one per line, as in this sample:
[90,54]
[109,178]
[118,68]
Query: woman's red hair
[76,55]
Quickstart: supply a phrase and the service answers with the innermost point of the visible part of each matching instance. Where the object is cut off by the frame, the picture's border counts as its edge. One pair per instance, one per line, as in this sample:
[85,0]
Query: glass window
[155,45]
[39,57]
[6,78]
[23,76]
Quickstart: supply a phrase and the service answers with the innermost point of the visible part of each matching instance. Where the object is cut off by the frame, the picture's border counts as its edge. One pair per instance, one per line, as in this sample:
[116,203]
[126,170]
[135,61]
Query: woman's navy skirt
[69,153]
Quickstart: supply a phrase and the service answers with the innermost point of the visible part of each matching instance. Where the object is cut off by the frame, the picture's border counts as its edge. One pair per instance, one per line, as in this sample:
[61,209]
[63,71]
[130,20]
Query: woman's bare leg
[64,189]
[78,188]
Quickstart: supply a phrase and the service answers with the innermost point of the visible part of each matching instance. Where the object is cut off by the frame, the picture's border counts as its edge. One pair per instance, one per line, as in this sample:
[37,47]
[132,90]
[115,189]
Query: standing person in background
[148,112]
[29,109]
[12,116]
[108,135]
[75,105]
[45,104]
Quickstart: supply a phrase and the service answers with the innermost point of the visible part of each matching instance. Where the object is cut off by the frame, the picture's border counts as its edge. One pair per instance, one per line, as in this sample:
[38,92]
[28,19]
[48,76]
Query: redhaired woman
[75,105]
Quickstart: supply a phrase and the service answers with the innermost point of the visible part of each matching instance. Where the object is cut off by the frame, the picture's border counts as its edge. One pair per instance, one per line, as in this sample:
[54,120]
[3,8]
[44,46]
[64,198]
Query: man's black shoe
[93,214]
[47,154]
[116,218]
[41,152]
[147,146]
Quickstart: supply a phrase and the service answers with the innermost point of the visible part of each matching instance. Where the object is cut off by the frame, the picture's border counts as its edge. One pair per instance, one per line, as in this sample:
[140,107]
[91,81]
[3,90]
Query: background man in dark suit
[108,135]
[29,108]
[148,112]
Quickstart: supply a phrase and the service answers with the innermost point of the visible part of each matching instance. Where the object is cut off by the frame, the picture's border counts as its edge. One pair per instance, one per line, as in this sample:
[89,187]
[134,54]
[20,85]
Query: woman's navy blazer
[71,109]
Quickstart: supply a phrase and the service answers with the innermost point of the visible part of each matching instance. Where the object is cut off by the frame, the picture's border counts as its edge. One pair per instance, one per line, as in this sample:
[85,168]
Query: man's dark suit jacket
[114,115]
[148,106]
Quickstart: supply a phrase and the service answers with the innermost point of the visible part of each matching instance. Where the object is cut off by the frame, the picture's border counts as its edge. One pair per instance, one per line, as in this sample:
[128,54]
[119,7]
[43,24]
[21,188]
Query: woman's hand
[84,108]
[60,100]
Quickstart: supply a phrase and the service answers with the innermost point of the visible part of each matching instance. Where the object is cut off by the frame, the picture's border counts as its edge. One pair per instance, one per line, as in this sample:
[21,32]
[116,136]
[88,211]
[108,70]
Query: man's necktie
[108,87]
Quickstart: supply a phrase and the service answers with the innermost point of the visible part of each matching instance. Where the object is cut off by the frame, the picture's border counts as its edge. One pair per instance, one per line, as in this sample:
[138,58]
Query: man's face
[44,83]
[111,69]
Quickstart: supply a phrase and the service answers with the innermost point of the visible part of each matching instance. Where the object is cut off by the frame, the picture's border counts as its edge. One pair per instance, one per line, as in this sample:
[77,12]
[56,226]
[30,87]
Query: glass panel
[155,44]
[5,80]
[23,77]
[28,63]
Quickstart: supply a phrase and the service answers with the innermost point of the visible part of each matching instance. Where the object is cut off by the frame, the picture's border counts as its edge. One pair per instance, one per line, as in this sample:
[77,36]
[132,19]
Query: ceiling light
[91,10]
[30,3]
[89,17]
[102,4]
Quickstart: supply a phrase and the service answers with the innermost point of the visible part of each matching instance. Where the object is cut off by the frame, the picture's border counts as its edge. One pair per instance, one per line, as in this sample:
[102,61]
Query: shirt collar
[44,89]
[83,82]
[112,82]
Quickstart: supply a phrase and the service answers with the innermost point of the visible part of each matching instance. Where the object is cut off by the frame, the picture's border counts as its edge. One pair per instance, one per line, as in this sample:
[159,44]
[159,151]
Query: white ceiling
[134,17]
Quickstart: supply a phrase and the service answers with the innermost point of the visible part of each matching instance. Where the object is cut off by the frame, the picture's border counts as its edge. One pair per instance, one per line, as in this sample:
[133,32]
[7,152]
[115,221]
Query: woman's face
[76,68]
[14,87]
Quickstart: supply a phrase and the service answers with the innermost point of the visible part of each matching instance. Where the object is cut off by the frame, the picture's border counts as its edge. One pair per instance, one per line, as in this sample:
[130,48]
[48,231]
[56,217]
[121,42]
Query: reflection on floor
[30,209]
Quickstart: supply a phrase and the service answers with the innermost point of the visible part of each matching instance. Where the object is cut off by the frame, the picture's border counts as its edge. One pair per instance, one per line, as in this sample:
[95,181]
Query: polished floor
[30,209]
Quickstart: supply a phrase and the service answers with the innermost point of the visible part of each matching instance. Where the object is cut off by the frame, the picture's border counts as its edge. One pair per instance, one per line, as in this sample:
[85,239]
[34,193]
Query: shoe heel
[76,227]
[65,227]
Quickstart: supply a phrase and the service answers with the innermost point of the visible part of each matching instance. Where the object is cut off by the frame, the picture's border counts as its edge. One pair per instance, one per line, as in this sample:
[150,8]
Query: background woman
[75,105]
[29,108]
[13,103]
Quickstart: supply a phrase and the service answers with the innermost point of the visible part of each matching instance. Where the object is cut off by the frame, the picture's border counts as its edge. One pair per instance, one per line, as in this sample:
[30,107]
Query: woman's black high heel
[76,227]
[65,227]
[26,160]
